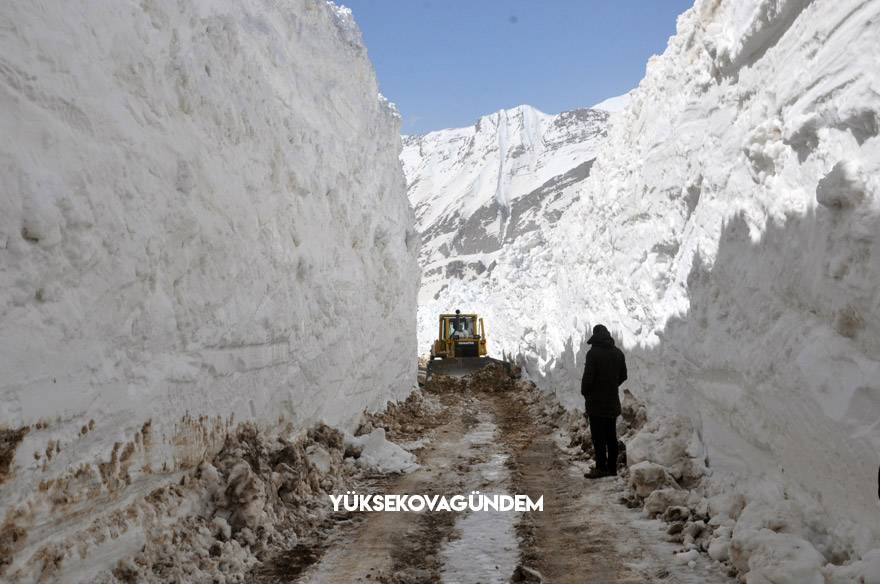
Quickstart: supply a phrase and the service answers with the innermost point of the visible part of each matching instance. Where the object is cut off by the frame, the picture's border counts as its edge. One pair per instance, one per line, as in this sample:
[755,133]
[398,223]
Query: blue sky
[447,62]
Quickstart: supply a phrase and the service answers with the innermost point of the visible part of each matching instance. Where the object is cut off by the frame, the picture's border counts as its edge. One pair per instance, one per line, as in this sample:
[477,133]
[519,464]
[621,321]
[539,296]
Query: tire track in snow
[486,548]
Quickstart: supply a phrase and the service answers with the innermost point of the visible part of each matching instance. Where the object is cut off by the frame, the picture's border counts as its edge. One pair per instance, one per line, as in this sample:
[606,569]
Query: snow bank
[729,229]
[203,222]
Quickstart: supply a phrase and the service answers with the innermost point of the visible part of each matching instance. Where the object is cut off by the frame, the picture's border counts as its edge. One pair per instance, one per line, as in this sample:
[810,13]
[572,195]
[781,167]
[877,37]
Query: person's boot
[596,472]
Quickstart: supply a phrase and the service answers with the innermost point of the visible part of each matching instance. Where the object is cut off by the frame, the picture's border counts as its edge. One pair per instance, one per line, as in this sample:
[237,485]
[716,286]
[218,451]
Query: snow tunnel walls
[729,236]
[203,221]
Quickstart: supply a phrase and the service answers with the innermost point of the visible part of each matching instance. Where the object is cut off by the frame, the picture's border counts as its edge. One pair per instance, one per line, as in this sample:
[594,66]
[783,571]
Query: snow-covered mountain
[728,234]
[202,220]
[614,104]
[476,190]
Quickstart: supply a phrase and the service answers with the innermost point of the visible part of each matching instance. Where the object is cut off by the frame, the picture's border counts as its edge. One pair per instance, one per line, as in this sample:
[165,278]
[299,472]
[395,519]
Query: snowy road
[496,442]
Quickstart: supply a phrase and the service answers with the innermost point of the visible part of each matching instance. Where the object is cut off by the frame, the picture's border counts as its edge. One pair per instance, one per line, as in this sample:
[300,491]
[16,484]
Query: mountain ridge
[478,188]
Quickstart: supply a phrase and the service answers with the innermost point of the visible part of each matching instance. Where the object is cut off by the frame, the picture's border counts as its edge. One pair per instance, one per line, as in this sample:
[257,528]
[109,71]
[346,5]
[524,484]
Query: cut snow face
[203,222]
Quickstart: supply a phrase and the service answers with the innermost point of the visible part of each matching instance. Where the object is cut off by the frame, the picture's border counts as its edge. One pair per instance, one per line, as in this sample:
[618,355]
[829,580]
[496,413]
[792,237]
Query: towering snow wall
[729,234]
[739,196]
[203,221]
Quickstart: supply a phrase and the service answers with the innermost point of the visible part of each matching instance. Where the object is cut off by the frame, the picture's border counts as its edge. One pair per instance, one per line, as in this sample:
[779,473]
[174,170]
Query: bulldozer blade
[460,366]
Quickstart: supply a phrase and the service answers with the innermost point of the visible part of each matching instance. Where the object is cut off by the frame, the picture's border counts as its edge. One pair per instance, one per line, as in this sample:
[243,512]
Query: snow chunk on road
[864,571]
[660,500]
[380,455]
[777,558]
[646,477]
[687,557]
[672,443]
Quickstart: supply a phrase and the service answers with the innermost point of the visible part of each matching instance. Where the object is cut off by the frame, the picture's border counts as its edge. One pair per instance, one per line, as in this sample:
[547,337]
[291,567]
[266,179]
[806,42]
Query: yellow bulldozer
[460,347]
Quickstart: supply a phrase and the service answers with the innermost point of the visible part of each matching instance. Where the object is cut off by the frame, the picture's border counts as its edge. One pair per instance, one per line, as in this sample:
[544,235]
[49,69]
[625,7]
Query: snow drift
[728,235]
[203,221]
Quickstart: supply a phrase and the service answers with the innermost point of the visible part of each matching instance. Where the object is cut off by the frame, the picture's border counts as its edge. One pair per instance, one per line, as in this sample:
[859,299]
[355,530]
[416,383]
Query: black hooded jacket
[604,371]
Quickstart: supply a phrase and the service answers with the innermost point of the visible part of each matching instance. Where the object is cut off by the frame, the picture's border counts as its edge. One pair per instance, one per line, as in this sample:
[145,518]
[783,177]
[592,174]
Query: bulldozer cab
[459,335]
[460,327]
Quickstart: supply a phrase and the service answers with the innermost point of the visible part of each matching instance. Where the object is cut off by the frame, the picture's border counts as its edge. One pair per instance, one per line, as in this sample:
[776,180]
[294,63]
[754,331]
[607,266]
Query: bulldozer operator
[461,327]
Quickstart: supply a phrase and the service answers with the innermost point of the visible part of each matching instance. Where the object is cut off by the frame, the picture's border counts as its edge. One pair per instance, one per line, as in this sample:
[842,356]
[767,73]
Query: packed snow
[203,222]
[728,234]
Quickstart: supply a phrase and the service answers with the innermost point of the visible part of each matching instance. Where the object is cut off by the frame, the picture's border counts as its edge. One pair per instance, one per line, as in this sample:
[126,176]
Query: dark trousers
[604,433]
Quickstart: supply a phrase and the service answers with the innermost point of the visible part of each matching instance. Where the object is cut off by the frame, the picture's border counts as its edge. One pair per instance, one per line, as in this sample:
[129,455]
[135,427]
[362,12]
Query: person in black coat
[604,372]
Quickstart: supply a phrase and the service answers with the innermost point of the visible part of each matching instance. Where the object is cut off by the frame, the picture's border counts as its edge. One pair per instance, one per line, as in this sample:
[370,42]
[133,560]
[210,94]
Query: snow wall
[729,234]
[203,221]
